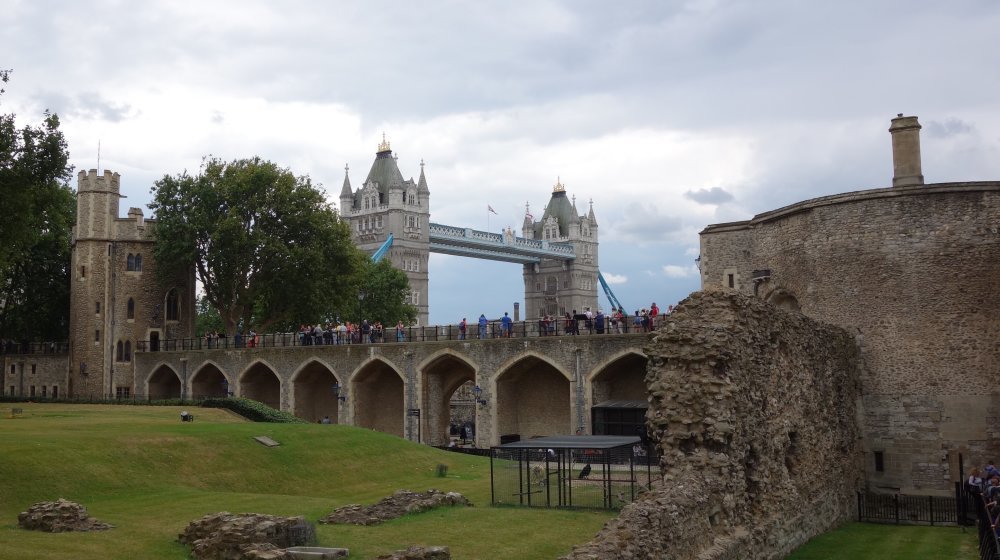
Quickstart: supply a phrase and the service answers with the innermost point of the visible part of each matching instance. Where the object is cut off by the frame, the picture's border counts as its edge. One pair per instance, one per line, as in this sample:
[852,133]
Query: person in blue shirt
[506,325]
[482,326]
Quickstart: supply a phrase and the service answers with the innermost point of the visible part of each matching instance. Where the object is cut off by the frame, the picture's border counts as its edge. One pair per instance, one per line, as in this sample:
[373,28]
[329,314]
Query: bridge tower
[554,286]
[388,204]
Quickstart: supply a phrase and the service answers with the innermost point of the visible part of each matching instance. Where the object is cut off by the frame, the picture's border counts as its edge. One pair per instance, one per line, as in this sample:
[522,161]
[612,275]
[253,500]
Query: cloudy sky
[668,115]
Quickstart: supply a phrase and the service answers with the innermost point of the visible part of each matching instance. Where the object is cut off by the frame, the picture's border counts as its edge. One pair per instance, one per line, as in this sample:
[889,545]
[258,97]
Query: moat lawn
[142,470]
[869,541]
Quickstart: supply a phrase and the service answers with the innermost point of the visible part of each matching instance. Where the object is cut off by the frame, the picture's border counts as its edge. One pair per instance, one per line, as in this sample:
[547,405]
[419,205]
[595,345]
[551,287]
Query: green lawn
[144,471]
[141,469]
[869,541]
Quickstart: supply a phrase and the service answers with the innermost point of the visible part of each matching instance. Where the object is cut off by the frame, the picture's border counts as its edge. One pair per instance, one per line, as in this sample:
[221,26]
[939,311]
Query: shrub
[252,410]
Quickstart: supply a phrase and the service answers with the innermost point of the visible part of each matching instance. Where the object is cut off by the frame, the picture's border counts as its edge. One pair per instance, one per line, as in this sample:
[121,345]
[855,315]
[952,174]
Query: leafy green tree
[385,291]
[207,318]
[268,249]
[35,230]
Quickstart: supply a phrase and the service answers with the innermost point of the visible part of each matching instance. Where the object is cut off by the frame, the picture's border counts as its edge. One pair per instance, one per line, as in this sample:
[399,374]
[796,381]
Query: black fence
[899,509]
[10,347]
[493,330]
[985,513]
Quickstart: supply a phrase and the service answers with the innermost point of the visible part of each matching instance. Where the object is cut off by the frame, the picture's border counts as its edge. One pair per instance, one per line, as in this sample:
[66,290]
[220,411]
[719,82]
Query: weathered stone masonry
[755,412]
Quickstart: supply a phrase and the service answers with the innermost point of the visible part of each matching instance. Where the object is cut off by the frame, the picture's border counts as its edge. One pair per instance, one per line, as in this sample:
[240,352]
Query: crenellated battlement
[91,181]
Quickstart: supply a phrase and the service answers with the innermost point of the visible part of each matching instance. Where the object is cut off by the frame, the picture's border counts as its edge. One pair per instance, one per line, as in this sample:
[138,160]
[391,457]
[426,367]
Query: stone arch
[260,383]
[532,398]
[313,395]
[784,299]
[441,375]
[210,381]
[377,395]
[619,396]
[163,383]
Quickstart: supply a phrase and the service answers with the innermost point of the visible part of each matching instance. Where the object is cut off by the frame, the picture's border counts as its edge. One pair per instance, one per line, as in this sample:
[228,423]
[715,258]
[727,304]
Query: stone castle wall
[755,412]
[916,272]
[40,375]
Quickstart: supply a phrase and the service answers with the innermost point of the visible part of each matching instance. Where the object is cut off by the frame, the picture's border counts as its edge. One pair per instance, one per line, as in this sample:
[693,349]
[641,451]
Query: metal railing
[493,330]
[52,347]
[900,509]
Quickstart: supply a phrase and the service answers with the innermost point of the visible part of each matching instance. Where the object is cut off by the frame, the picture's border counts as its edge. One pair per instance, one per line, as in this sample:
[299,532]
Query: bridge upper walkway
[467,242]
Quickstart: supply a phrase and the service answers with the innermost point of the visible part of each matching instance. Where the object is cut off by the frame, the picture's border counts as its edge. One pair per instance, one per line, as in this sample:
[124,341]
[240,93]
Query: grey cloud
[87,105]
[644,223]
[714,195]
[950,127]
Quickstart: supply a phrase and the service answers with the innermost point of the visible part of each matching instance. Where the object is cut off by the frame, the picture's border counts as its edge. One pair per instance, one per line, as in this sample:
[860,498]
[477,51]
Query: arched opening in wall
[164,383]
[313,393]
[533,399]
[261,384]
[620,397]
[209,381]
[447,399]
[783,299]
[377,391]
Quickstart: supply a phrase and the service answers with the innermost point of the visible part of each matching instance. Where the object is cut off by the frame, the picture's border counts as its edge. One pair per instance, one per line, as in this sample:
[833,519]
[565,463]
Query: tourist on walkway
[506,325]
[461,329]
[400,331]
[482,326]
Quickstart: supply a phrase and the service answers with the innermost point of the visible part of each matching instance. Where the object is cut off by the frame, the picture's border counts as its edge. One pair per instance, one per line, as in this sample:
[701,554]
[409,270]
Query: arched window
[138,262]
[128,351]
[173,306]
[130,309]
[130,262]
[119,354]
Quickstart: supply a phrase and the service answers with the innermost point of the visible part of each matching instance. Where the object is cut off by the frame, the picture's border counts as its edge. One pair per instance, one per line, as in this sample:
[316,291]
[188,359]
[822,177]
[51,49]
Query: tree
[267,248]
[207,318]
[35,230]
[386,291]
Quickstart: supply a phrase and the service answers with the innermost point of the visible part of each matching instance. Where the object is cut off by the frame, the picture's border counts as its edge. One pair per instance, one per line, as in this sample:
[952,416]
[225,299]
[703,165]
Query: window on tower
[138,262]
[173,306]
[130,309]
[130,262]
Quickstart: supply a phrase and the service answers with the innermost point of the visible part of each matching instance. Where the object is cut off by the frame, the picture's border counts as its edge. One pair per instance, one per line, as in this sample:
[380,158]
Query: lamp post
[361,306]
[477,393]
[337,392]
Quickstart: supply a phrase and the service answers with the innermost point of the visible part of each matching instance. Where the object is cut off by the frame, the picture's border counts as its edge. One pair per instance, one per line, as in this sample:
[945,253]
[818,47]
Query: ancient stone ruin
[246,536]
[419,553]
[59,516]
[401,503]
[754,410]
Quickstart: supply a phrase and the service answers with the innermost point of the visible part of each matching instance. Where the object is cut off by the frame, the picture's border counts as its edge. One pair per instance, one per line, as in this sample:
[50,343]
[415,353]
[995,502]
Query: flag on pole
[490,208]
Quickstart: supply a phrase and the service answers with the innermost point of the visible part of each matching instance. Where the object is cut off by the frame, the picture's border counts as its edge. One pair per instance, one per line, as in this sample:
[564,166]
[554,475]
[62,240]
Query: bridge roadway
[530,385]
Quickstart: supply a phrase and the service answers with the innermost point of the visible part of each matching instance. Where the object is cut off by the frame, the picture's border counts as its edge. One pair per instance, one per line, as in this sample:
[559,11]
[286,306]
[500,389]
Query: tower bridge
[390,216]
[527,386]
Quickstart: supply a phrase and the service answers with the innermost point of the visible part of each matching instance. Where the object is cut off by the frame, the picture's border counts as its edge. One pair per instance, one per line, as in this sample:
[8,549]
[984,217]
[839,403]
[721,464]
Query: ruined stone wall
[755,412]
[916,272]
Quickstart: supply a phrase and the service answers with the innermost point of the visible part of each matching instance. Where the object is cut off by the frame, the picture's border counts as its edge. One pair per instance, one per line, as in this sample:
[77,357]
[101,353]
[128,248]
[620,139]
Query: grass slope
[868,541]
[141,469]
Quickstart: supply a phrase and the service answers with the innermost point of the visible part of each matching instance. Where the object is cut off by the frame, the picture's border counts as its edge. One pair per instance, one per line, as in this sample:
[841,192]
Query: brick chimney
[905,151]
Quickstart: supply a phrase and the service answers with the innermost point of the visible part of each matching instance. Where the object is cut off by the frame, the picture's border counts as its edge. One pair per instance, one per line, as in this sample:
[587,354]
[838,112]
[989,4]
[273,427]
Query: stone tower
[116,303]
[554,287]
[386,203]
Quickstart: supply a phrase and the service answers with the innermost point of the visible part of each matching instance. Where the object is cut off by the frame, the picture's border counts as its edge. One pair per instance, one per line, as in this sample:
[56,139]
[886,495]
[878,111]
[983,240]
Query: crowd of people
[347,332]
